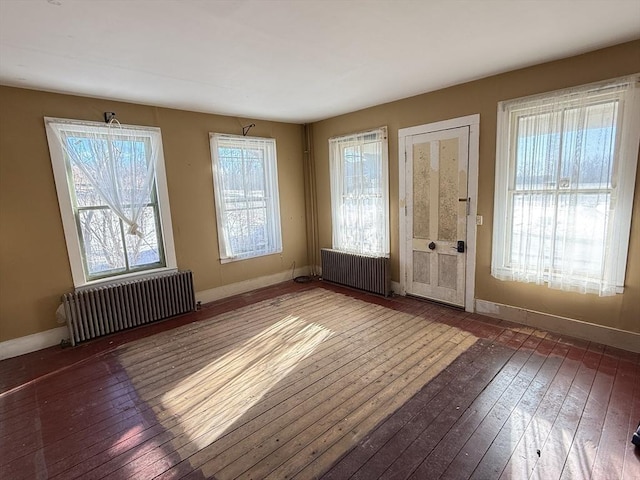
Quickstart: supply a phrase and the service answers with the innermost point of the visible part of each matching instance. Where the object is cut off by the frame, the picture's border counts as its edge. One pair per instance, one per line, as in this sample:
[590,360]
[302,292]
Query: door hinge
[405,210]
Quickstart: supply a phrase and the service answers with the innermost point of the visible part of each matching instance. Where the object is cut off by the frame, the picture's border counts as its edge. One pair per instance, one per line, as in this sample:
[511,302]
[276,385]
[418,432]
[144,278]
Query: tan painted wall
[34,267]
[482,96]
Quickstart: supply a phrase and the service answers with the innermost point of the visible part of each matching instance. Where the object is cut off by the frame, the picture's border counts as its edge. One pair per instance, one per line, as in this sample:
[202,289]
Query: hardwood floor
[319,381]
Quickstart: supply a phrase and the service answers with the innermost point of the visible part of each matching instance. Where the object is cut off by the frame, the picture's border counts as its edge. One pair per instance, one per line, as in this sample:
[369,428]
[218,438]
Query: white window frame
[625,162]
[271,198]
[61,174]
[336,171]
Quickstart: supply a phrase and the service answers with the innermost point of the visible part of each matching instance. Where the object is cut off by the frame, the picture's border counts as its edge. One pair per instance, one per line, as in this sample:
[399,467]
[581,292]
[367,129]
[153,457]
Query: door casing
[473,122]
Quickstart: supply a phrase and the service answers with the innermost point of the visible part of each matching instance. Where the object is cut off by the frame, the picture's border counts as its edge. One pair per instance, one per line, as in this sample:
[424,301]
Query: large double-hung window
[565,175]
[360,192]
[113,198]
[245,184]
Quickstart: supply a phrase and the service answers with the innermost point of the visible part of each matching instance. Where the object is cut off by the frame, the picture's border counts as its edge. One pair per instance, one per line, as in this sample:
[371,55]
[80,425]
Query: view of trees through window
[245,179]
[246,198]
[116,170]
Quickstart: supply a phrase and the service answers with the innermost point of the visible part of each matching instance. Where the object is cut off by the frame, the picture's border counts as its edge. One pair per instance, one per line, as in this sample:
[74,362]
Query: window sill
[128,277]
[575,285]
[248,257]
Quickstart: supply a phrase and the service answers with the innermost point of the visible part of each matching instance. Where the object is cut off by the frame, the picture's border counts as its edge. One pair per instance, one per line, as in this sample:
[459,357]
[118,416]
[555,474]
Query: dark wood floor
[398,388]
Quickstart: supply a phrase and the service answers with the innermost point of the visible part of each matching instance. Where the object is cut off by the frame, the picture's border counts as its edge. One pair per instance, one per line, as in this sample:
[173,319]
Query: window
[113,198]
[565,174]
[245,185]
[360,192]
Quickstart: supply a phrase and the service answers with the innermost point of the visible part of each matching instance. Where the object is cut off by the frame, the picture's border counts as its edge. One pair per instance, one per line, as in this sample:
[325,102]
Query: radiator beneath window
[99,311]
[366,273]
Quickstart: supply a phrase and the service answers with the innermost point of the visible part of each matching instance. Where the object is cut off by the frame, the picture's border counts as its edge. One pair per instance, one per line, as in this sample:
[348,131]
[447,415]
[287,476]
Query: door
[437,205]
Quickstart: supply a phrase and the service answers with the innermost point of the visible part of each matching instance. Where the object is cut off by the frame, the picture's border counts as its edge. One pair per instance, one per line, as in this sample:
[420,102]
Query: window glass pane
[143,249]
[102,241]
[588,141]
[537,151]
[246,229]
[352,171]
[117,165]
[245,185]
[237,227]
[133,159]
[372,157]
[106,177]
[86,195]
[372,224]
[258,238]
[565,175]
[581,231]
[244,194]
[363,199]
[84,166]
[254,173]
[359,193]
[531,236]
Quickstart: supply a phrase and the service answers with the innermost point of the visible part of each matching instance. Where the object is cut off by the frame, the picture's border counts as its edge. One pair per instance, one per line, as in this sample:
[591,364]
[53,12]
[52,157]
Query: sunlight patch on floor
[207,384]
[210,400]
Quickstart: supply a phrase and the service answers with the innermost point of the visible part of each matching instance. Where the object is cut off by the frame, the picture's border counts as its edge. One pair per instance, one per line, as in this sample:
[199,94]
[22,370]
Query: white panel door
[436,214]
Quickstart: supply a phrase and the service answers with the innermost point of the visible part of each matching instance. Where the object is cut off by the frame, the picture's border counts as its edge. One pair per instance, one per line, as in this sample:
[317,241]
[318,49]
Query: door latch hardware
[468,201]
[460,246]
[432,246]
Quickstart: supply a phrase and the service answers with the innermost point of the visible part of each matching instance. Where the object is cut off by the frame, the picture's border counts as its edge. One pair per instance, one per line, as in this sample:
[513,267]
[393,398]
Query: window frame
[624,163]
[271,197]
[69,210]
[337,167]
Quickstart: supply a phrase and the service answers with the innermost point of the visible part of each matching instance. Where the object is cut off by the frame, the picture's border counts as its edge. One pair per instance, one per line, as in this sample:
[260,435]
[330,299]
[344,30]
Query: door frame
[473,122]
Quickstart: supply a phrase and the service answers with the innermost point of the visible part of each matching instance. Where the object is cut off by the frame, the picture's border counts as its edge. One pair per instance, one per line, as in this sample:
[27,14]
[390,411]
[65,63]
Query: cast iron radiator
[359,271]
[99,311]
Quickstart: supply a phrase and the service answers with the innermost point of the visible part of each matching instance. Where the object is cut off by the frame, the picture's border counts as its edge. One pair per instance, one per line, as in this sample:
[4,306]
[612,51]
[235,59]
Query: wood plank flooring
[318,381]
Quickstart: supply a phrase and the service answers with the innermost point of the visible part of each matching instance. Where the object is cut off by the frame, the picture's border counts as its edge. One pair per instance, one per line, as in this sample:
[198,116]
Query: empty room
[319,239]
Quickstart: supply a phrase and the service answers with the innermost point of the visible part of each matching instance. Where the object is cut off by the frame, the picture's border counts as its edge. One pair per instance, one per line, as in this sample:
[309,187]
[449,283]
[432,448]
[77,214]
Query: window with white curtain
[113,198]
[565,175]
[245,184]
[360,192]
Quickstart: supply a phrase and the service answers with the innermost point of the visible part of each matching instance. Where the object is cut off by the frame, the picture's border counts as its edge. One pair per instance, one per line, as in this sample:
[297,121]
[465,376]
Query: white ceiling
[290,60]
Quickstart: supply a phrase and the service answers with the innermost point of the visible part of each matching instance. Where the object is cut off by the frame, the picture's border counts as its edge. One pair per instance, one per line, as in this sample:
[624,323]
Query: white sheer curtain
[245,184]
[563,194]
[360,192]
[117,162]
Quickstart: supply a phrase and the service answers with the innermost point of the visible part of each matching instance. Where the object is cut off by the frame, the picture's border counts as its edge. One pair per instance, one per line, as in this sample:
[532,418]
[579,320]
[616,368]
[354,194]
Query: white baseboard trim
[566,326]
[31,343]
[395,287]
[218,293]
[49,338]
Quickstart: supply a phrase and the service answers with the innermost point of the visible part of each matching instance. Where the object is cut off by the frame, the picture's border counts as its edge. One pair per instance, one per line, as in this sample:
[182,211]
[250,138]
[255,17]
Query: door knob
[432,246]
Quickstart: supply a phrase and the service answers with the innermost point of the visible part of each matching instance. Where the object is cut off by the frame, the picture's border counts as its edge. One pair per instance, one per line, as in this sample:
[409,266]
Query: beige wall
[482,96]
[34,267]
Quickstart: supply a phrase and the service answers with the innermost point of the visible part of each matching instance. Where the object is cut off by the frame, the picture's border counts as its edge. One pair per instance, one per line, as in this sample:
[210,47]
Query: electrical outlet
[479,219]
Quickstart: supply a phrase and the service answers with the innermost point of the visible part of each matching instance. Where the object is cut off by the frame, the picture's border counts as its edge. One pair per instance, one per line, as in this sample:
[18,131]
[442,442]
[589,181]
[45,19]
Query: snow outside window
[565,175]
[245,185]
[360,192]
